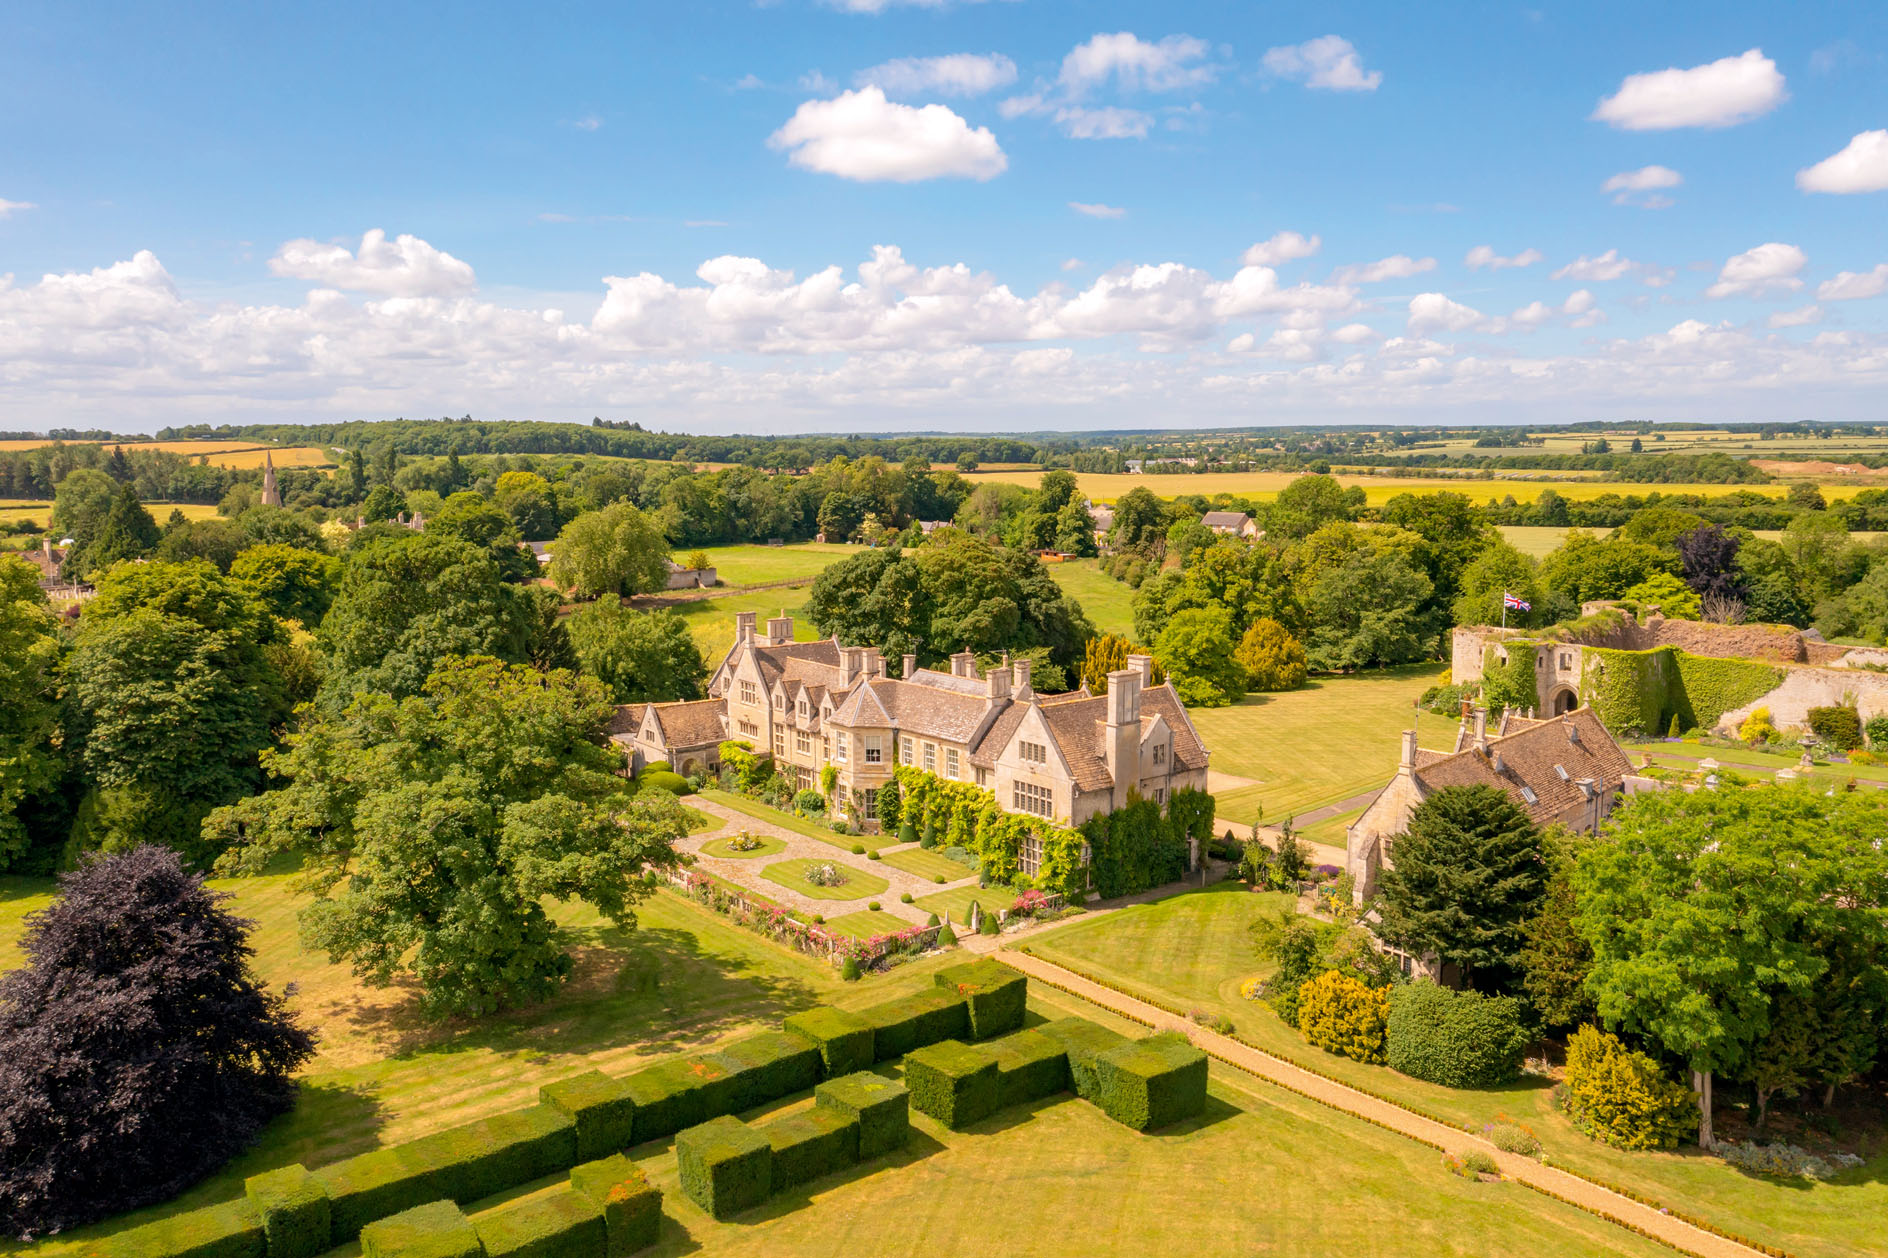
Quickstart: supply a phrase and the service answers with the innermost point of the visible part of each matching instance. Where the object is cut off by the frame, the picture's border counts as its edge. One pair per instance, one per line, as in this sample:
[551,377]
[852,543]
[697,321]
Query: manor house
[1065,757]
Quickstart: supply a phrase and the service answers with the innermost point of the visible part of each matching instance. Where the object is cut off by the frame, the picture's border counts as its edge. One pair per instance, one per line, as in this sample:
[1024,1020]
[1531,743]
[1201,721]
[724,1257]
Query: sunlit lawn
[754,565]
[927,864]
[711,620]
[768,846]
[1336,738]
[957,900]
[1108,602]
[791,874]
[785,820]
[1193,951]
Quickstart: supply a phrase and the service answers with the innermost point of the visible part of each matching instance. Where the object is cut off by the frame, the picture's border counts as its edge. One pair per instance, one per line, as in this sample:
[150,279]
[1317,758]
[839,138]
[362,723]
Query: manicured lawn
[926,864]
[1336,738]
[785,820]
[865,924]
[1108,602]
[956,901]
[754,565]
[18,897]
[1686,757]
[768,846]
[700,822]
[792,875]
[711,620]
[1193,950]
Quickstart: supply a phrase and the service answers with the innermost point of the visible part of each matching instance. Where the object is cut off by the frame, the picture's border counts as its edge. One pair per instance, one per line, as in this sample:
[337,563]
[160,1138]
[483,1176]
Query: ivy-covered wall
[1137,847]
[963,815]
[1638,692]
[1509,684]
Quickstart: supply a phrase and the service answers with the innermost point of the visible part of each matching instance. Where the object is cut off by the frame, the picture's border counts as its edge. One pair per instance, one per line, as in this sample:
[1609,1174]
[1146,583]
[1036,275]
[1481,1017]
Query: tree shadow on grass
[654,986]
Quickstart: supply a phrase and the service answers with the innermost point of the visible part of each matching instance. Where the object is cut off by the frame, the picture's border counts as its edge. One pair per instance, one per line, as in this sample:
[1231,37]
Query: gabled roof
[949,681]
[692,724]
[1225,519]
[1542,757]
[627,720]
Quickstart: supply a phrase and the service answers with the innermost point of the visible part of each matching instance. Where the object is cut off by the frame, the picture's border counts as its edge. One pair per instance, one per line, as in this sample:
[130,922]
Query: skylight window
[1527,793]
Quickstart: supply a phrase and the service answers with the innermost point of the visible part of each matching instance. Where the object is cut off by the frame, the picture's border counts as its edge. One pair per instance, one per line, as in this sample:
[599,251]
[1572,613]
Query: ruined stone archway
[1564,700]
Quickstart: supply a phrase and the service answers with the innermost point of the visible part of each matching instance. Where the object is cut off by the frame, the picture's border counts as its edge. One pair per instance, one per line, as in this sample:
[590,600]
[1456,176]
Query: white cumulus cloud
[403,267]
[1722,93]
[1284,247]
[1854,285]
[1096,210]
[1109,122]
[861,135]
[1861,166]
[1641,187]
[1485,256]
[12,207]
[1135,64]
[1755,272]
[1434,312]
[1607,266]
[1397,267]
[1328,62]
[957,74]
[1796,318]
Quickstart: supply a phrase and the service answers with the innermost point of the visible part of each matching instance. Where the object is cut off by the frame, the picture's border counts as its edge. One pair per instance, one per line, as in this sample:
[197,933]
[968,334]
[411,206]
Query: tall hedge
[1458,1039]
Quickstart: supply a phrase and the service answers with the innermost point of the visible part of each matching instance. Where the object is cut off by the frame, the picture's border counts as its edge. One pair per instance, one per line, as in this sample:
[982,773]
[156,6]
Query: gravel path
[747,872]
[1549,1180]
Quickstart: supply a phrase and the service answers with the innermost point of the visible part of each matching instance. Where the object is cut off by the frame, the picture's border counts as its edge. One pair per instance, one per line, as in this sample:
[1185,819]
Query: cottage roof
[1546,759]
[692,724]
[627,719]
[1225,520]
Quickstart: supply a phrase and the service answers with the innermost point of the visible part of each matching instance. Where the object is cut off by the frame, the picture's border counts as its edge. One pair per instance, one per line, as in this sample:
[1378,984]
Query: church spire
[271,496]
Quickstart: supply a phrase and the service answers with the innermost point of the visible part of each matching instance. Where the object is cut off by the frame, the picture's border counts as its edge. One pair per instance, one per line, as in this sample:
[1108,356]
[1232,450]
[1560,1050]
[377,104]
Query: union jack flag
[1518,604]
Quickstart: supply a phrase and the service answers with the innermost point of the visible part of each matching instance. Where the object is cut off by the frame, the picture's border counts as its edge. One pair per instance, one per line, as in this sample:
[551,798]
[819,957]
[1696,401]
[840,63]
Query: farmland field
[1525,487]
[15,509]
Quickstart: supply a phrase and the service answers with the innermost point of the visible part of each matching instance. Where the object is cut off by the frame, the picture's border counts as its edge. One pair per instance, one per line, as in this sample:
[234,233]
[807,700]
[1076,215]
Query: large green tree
[435,827]
[1369,611]
[1309,503]
[640,657]
[617,550]
[293,583]
[30,651]
[1706,911]
[409,600]
[1197,650]
[173,697]
[126,532]
[1462,882]
[1454,534]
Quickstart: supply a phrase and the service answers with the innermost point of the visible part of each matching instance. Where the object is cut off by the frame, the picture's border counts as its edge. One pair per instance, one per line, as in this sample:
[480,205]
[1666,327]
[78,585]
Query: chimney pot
[1019,678]
[911,665]
[1408,760]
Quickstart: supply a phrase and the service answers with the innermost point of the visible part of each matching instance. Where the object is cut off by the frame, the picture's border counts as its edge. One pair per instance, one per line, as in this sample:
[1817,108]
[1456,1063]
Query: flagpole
[1504,609]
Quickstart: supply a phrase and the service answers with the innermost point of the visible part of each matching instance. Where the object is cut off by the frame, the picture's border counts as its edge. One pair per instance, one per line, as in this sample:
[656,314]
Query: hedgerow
[1029,1066]
[296,1216]
[881,1106]
[810,1144]
[566,1224]
[766,1066]
[726,1166]
[1152,1082]
[632,1207]
[993,993]
[898,1026]
[600,1106]
[843,1038]
[438,1229]
[953,1082]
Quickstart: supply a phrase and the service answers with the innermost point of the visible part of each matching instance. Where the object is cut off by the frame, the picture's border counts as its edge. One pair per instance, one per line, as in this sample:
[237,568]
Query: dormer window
[805,711]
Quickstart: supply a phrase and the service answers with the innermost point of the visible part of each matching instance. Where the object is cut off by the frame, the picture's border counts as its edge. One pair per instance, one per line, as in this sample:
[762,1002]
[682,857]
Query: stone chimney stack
[1408,760]
[997,686]
[744,626]
[1144,665]
[779,630]
[850,658]
[964,664]
[1019,674]
[1481,729]
[1122,740]
[874,665]
[911,665]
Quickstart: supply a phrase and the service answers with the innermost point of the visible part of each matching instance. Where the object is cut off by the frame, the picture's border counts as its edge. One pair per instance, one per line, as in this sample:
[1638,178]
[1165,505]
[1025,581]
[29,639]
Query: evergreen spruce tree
[1557,957]
[1463,881]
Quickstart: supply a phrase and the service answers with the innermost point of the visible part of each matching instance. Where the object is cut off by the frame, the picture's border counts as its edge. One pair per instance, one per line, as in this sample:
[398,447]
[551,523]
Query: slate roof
[628,719]
[1234,520]
[1535,757]
[693,724]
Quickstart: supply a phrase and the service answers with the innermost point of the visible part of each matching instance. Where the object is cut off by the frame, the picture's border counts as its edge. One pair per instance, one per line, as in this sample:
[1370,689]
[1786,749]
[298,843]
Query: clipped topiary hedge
[1458,1039]
[296,1216]
[1152,1082]
[373,1186]
[1029,1066]
[881,1106]
[766,1066]
[994,993]
[500,1152]
[898,1026]
[1837,725]
[953,1082]
[671,1095]
[843,1038]
[665,780]
[1084,1042]
[564,1224]
[631,1206]
[229,1230]
[601,1107]
[438,1229]
[726,1166]
[810,1144]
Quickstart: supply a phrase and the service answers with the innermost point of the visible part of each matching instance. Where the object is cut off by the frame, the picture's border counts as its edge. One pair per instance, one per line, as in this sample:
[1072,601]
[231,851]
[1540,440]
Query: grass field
[754,565]
[711,620]
[1194,949]
[1108,602]
[1333,739]
[1525,487]
[927,864]
[791,874]
[12,509]
[785,820]
[865,924]
[956,902]
[768,846]
[1051,1178]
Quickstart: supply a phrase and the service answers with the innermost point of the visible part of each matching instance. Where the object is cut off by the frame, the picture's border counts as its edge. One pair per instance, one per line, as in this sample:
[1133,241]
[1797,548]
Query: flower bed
[826,874]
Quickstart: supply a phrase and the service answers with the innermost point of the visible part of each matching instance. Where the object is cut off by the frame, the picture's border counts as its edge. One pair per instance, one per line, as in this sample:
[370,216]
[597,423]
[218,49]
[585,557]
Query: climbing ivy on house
[964,815]
[1708,688]
[1137,847]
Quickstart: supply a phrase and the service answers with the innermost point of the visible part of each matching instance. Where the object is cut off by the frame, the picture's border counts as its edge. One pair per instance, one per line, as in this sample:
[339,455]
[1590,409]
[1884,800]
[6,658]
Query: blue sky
[1103,214]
